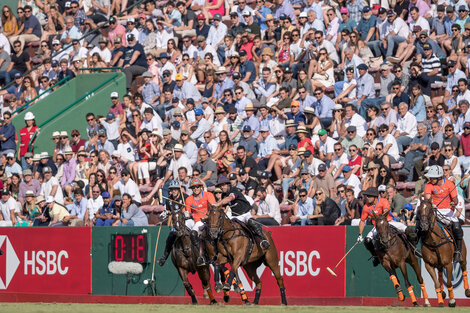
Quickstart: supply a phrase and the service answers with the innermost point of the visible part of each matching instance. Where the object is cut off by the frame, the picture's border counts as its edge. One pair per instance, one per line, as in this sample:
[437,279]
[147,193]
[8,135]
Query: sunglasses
[338,149]
[317,93]
[302,196]
[340,191]
[318,193]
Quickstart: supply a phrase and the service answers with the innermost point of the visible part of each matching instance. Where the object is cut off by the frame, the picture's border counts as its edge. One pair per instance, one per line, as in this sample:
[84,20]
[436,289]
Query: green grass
[138,308]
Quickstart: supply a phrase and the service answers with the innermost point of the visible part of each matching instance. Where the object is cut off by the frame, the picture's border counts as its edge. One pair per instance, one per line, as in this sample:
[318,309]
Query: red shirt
[117,110]
[357,161]
[25,137]
[465,144]
[200,205]
[380,207]
[76,146]
[301,144]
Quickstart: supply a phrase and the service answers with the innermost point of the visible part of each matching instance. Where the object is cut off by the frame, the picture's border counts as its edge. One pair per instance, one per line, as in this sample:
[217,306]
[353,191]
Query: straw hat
[219,110]
[249,107]
[302,129]
[267,51]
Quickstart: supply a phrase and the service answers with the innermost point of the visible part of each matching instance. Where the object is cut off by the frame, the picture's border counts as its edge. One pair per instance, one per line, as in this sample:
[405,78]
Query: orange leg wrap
[465,280]
[226,293]
[209,292]
[401,297]
[412,294]
[423,291]
[243,294]
[451,292]
[439,296]
[394,280]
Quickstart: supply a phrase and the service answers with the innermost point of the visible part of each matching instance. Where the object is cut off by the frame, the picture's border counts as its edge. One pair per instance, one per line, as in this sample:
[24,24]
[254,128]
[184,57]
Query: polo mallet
[155,252]
[332,271]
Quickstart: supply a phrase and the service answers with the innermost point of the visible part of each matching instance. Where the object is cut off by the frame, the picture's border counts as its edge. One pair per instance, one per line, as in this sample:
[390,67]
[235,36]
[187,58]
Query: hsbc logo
[9,262]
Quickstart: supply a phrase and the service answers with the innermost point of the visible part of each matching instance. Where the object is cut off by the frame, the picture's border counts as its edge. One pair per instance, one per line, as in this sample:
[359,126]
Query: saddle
[250,236]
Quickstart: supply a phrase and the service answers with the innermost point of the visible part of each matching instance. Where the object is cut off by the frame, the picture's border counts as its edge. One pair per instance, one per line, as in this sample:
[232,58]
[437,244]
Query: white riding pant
[401,228]
[447,216]
[197,226]
[144,168]
[243,218]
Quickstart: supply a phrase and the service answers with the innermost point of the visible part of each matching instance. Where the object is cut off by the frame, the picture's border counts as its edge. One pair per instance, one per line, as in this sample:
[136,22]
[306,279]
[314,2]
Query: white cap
[29,116]
[64,133]
[49,199]
[44,155]
[303,14]
[10,155]
[382,188]
[55,41]
[114,94]
[131,19]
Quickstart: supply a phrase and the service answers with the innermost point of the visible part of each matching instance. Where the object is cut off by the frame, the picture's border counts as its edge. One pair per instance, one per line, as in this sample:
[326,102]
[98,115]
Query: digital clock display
[129,248]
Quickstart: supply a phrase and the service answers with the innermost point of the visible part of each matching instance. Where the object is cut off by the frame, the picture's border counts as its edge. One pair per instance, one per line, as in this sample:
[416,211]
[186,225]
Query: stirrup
[418,253]
[162,261]
[375,261]
[457,256]
[265,244]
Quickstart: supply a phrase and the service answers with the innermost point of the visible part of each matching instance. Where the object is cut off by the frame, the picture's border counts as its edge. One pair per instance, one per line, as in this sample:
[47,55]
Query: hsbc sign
[304,254]
[45,260]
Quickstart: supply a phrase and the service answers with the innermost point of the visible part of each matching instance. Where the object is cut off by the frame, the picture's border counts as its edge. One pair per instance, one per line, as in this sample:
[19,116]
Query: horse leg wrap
[283,296]
[209,292]
[230,279]
[412,294]
[423,291]
[257,295]
[465,280]
[394,280]
[451,292]
[439,296]
[190,291]
[243,295]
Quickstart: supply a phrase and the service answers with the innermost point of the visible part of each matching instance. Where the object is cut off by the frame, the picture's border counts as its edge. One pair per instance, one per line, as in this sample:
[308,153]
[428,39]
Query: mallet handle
[345,255]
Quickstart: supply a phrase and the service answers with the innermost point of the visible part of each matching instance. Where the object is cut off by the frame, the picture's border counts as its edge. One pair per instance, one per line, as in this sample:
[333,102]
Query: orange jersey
[199,207]
[382,206]
[441,193]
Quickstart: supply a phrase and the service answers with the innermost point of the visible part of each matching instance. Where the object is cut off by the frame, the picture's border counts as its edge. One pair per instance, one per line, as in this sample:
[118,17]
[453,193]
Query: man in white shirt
[202,124]
[180,160]
[464,93]
[204,48]
[94,203]
[127,185]
[326,146]
[340,160]
[152,121]
[389,142]
[51,186]
[406,127]
[354,119]
[217,32]
[102,50]
[269,211]
[8,208]
[398,34]
[351,181]
[417,20]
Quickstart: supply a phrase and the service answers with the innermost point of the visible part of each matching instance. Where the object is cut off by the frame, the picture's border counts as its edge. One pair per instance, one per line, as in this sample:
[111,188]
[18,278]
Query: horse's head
[381,226]
[177,217]
[426,214]
[215,219]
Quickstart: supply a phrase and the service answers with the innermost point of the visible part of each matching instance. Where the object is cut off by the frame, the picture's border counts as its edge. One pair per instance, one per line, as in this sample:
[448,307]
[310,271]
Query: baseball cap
[5,192]
[264,128]
[105,195]
[390,13]
[175,124]
[351,129]
[441,8]
[114,94]
[217,17]
[382,188]
[166,132]
[201,38]
[466,125]
[427,46]
[46,169]
[55,42]
[246,13]
[303,14]
[366,9]
[242,53]
[307,153]
[242,171]
[147,74]
[346,168]
[110,116]
[27,172]
[200,16]
[247,128]
[382,10]
[362,66]
[322,132]
[179,77]
[130,37]
[236,75]
[198,112]
[344,10]
[322,167]
[232,176]
[10,155]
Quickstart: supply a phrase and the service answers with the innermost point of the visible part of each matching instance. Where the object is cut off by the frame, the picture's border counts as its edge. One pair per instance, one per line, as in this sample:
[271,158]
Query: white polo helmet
[29,116]
[435,171]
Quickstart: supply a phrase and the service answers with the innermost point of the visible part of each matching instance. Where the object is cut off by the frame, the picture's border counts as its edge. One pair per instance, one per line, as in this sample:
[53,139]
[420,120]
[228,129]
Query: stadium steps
[66,107]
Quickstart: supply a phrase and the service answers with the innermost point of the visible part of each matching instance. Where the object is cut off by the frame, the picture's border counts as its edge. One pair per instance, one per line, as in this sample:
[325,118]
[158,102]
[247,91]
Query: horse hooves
[452,303]
[213,302]
[443,294]
[237,289]
[226,287]
[247,302]
[218,287]
[205,295]
[415,304]
[226,299]
[467,293]
[441,305]
[427,305]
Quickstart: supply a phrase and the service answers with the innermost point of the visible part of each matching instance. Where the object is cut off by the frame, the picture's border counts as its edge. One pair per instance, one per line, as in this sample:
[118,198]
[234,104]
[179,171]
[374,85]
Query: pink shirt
[119,31]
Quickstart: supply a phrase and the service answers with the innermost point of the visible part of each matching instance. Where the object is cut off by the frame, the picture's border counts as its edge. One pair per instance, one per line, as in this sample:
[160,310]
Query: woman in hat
[265,182]
[267,61]
[323,74]
[29,211]
[304,141]
[82,166]
[312,123]
[234,65]
[220,123]
[26,134]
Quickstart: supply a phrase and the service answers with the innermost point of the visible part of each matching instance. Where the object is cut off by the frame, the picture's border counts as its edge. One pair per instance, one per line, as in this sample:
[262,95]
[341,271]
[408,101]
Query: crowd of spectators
[299,103]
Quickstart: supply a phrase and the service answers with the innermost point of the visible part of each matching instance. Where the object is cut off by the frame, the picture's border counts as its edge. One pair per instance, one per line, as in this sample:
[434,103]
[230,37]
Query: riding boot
[256,228]
[370,246]
[196,242]
[1,251]
[413,239]
[168,246]
[458,237]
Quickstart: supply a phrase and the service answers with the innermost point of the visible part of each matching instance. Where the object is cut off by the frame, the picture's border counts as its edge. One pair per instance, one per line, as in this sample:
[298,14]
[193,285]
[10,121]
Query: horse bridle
[220,222]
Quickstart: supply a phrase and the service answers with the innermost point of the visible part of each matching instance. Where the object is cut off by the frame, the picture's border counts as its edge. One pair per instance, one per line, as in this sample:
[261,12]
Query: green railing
[24,106]
[100,68]
[87,94]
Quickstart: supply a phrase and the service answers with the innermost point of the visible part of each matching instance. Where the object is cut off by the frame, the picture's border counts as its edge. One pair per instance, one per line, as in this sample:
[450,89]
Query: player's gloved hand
[360,239]
[186,214]
[163,215]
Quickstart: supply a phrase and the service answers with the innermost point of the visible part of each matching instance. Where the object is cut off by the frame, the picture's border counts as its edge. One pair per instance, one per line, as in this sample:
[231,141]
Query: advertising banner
[304,253]
[46,260]
[457,278]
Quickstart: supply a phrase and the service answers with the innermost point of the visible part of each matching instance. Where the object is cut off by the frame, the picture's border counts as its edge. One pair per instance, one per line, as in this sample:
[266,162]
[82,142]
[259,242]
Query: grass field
[138,308]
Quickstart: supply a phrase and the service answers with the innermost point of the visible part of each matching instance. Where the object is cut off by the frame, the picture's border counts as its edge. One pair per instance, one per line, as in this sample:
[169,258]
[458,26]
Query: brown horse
[393,252]
[184,256]
[438,251]
[238,247]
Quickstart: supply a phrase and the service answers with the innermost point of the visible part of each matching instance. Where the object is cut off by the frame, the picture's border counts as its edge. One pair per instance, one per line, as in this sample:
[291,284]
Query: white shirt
[126,150]
[216,34]
[130,187]
[93,205]
[313,168]
[163,37]
[400,28]
[420,22]
[170,67]
[359,122]
[354,182]
[328,146]
[6,207]
[270,206]
[191,51]
[338,161]
[154,124]
[183,161]
[408,125]
[112,129]
[352,93]
[393,150]
[46,188]
[465,96]
[211,50]
[104,54]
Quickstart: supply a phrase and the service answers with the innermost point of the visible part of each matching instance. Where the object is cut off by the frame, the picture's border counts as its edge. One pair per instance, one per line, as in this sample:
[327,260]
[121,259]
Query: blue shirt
[419,110]
[32,22]
[448,24]
[267,146]
[290,140]
[253,122]
[307,102]
[248,67]
[78,209]
[324,107]
[8,131]
[227,83]
[365,86]
[349,25]
[453,79]
[264,11]
[287,9]
[299,117]
[150,91]
[108,208]
[364,26]
[305,208]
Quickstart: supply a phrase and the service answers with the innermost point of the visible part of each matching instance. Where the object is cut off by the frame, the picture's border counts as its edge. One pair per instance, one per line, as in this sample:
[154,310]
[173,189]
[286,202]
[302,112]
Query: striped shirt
[430,64]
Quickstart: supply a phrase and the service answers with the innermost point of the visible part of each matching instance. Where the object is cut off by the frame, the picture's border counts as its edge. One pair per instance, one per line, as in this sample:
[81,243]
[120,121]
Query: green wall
[362,279]
[52,107]
[168,282]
